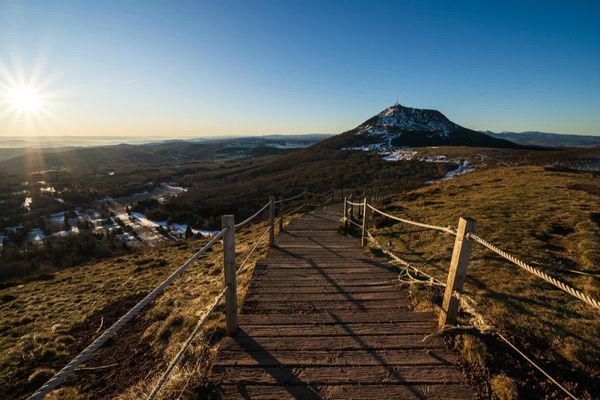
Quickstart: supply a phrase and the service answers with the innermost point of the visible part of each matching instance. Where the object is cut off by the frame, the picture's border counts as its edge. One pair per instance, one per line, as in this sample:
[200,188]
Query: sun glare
[25,99]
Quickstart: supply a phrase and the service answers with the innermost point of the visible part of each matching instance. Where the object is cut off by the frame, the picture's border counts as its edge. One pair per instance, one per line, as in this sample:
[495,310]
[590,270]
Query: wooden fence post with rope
[458,270]
[228,223]
[281,212]
[345,213]
[271,221]
[365,222]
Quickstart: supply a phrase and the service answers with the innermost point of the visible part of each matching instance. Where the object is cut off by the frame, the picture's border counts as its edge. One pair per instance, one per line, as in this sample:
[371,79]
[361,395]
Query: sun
[25,99]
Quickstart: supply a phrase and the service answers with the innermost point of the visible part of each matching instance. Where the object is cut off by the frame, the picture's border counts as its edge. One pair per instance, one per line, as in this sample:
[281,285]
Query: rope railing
[464,237]
[444,229]
[354,223]
[84,355]
[260,239]
[61,375]
[177,359]
[320,194]
[293,197]
[540,274]
[355,204]
[405,263]
[253,216]
[294,211]
[478,320]
[469,235]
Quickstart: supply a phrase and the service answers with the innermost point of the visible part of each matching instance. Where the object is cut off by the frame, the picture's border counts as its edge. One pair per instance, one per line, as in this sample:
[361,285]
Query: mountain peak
[399,118]
[398,125]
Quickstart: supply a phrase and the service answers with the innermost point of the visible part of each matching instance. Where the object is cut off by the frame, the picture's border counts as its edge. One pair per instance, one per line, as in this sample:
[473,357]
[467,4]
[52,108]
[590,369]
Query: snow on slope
[407,119]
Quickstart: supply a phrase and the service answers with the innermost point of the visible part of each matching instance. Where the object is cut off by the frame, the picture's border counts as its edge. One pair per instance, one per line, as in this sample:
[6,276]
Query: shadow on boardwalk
[321,320]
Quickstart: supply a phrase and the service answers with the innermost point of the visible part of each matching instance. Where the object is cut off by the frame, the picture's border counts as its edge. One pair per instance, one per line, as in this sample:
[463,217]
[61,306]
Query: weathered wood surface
[323,320]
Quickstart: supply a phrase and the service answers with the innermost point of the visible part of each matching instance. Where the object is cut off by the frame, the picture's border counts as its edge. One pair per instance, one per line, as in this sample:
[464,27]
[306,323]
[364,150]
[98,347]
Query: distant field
[549,217]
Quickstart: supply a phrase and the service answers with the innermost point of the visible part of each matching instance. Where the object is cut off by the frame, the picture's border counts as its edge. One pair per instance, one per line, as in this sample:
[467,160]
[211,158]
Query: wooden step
[344,392]
[374,317]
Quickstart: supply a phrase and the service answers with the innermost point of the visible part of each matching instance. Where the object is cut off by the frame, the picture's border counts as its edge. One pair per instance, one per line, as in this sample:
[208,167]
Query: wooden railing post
[345,213]
[365,223]
[359,213]
[271,221]
[281,212]
[228,223]
[458,270]
[370,215]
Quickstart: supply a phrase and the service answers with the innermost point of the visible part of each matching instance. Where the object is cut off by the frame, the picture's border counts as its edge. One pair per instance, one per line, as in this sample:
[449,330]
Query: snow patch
[464,167]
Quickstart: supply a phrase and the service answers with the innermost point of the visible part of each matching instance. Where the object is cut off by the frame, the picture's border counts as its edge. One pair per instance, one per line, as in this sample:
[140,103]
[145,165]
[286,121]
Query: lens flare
[25,99]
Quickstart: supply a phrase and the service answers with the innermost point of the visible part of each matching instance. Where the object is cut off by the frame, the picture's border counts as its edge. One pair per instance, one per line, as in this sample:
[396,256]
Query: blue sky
[176,68]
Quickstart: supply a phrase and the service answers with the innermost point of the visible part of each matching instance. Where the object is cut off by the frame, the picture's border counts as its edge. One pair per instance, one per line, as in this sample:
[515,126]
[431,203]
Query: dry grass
[38,324]
[504,387]
[545,217]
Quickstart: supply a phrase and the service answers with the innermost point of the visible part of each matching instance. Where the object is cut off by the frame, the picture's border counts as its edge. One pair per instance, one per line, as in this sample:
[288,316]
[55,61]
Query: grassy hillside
[549,217]
[318,168]
[47,322]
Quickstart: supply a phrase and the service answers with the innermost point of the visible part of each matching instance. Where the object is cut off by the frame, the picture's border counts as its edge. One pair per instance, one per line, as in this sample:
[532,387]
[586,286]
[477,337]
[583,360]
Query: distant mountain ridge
[536,138]
[155,153]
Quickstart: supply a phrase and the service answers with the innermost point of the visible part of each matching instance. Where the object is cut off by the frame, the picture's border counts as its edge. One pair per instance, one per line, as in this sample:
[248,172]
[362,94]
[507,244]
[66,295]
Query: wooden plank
[257,307]
[308,283]
[344,392]
[333,263]
[238,356]
[314,254]
[323,281]
[301,252]
[394,316]
[372,392]
[342,266]
[341,329]
[334,343]
[339,296]
[336,375]
[326,274]
[321,289]
[334,268]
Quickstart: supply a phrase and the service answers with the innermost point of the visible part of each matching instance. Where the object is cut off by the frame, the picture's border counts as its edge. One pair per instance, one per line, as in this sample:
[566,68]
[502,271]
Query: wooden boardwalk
[321,320]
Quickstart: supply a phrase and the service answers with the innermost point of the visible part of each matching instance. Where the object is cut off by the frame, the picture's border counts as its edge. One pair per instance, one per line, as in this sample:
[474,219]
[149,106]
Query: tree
[188,232]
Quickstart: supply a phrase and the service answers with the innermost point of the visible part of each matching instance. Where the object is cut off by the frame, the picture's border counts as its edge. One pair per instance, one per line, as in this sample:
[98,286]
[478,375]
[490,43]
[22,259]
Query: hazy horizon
[194,69]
